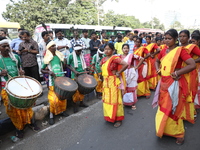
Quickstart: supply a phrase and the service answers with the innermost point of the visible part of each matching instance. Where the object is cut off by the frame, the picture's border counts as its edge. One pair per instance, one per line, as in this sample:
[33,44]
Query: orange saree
[169,122]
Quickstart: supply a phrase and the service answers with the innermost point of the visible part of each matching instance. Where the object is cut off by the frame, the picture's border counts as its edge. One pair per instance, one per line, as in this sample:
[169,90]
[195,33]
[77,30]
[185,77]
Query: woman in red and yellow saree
[143,84]
[191,77]
[195,40]
[131,74]
[112,68]
[152,76]
[173,88]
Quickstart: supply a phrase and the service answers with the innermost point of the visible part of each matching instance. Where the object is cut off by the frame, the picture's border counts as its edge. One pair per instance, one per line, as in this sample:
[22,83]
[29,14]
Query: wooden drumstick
[28,84]
[15,80]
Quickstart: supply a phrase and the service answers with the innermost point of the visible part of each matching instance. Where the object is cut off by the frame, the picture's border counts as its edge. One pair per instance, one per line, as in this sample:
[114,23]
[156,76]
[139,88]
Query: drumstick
[15,80]
[61,72]
[28,84]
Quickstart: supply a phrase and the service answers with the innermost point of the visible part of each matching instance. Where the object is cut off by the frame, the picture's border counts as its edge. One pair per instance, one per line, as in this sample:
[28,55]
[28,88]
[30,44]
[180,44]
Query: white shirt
[87,45]
[63,42]
[42,47]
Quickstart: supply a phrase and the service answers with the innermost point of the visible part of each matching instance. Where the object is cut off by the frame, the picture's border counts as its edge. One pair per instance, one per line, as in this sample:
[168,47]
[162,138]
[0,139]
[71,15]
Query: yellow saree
[112,97]
[168,123]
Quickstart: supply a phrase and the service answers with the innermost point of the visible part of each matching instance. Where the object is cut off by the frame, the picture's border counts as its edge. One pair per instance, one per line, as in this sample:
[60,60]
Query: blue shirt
[143,41]
[131,46]
[112,42]
[15,44]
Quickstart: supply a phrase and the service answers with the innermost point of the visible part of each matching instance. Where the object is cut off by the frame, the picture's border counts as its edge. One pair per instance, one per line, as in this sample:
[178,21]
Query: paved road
[87,130]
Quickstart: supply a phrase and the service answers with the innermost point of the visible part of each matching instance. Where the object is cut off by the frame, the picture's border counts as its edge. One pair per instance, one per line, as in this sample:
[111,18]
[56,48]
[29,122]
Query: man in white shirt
[86,51]
[62,44]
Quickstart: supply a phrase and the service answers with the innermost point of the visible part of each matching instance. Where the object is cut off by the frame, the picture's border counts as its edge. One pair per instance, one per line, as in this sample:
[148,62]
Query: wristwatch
[29,50]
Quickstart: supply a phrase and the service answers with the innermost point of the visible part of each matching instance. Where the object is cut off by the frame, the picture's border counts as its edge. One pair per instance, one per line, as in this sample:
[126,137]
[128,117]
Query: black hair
[139,38]
[196,31]
[187,32]
[44,33]
[2,38]
[84,31]
[195,37]
[173,33]
[20,29]
[136,31]
[103,32]
[77,45]
[149,33]
[127,31]
[119,36]
[125,45]
[144,33]
[148,36]
[25,32]
[110,45]
[140,34]
[158,39]
[157,33]
[3,31]
[93,33]
[58,30]
[50,32]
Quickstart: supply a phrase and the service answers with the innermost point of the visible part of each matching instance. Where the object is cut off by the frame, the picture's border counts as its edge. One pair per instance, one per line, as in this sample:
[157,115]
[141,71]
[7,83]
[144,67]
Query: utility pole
[97,5]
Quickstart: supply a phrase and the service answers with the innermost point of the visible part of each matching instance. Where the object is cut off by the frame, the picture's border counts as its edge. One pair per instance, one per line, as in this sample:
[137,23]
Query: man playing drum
[77,65]
[10,67]
[54,60]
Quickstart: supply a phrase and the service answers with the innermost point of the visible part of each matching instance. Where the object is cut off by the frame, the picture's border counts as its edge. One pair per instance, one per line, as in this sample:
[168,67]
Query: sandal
[19,134]
[117,124]
[133,107]
[34,127]
[195,118]
[180,141]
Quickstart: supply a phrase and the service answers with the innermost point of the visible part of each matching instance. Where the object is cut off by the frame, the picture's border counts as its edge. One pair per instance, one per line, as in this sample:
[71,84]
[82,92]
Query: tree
[112,19]
[177,25]
[154,23]
[31,13]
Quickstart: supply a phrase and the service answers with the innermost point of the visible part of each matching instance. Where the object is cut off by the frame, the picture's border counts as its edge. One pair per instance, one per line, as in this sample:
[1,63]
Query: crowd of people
[125,67]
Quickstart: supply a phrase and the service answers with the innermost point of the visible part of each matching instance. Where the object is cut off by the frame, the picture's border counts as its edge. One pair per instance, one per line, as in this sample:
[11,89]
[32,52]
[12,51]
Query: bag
[128,98]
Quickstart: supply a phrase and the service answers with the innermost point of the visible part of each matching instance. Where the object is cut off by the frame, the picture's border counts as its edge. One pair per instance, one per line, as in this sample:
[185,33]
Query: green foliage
[177,25]
[112,19]
[154,23]
[31,13]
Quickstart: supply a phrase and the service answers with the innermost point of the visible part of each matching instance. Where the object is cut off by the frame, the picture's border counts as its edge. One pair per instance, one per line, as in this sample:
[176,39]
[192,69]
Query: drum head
[66,84]
[87,81]
[23,87]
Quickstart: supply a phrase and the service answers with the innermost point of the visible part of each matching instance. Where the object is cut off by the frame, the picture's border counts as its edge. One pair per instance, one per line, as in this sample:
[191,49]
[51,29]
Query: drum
[23,91]
[65,87]
[86,83]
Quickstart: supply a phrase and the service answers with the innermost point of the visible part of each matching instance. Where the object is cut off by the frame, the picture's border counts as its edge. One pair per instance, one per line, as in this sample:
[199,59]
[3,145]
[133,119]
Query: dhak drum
[23,91]
[65,87]
[86,83]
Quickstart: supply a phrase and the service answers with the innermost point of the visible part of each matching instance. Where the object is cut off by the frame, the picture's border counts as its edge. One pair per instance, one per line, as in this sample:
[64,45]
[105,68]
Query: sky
[167,11]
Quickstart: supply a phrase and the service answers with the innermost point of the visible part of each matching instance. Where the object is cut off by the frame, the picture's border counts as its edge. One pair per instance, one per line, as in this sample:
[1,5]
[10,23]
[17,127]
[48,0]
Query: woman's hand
[21,72]
[117,74]
[175,76]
